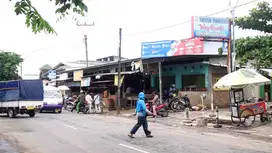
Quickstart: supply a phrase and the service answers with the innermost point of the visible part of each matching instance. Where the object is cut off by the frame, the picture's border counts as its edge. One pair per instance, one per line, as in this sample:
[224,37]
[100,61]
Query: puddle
[5,147]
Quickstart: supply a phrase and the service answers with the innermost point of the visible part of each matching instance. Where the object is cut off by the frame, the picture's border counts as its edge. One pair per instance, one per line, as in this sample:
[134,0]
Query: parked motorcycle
[172,102]
[184,102]
[161,109]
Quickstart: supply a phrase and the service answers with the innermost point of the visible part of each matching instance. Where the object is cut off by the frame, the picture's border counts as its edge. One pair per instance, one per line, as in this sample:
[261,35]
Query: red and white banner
[191,46]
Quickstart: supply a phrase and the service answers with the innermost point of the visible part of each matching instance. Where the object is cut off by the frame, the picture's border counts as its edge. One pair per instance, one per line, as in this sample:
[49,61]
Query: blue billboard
[157,48]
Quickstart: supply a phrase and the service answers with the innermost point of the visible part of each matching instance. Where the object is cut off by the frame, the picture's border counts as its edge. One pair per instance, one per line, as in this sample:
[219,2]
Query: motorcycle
[161,109]
[84,108]
[184,102]
[172,102]
[67,102]
[70,105]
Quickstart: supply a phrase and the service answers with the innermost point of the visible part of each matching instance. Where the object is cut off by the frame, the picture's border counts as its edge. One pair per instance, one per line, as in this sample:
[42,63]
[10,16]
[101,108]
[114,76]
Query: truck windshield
[52,94]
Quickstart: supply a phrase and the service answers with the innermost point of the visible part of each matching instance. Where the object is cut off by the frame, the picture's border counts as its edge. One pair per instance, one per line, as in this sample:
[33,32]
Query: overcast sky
[133,16]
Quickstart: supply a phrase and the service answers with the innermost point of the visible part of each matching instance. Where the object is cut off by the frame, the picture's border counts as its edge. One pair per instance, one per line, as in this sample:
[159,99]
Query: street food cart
[243,111]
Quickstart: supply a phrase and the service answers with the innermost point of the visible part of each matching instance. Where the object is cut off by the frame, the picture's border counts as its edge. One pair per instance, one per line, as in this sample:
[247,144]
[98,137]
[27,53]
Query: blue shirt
[141,108]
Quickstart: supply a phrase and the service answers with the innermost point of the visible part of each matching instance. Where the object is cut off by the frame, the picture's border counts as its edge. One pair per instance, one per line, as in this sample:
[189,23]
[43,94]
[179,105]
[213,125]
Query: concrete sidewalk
[257,130]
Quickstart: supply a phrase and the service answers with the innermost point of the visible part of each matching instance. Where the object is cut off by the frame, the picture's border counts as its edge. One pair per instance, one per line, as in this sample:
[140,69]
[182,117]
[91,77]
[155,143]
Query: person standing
[97,102]
[155,102]
[141,112]
[81,100]
[89,100]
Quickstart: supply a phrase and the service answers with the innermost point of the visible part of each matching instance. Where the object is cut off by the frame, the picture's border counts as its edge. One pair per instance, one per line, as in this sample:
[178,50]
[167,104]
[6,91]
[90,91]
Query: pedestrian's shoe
[149,136]
[131,135]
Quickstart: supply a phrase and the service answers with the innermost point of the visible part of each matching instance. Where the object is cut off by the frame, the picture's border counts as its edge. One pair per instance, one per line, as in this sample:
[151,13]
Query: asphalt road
[78,133]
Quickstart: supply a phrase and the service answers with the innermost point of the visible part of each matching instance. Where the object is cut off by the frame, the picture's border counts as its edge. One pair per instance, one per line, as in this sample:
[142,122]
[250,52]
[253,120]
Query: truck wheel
[11,113]
[31,113]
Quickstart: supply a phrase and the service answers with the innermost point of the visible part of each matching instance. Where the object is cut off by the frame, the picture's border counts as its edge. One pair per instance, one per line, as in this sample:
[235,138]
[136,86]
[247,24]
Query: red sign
[189,46]
[252,108]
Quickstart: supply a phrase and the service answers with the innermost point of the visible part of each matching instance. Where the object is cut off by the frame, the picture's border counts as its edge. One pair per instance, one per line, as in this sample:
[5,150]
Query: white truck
[21,97]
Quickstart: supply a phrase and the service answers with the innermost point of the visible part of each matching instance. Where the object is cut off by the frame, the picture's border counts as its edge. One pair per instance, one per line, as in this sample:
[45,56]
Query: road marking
[133,148]
[71,127]
[221,135]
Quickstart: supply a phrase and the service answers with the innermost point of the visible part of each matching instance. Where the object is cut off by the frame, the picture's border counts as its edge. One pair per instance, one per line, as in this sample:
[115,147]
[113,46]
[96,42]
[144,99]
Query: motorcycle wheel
[180,107]
[164,112]
[85,111]
[173,106]
[69,107]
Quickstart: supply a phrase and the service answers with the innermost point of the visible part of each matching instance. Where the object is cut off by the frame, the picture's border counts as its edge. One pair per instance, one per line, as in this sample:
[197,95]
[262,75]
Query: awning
[268,71]
[240,79]
[114,73]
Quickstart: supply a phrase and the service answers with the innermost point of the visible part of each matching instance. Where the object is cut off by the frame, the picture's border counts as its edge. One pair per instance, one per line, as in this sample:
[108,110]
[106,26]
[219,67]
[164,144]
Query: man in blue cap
[141,112]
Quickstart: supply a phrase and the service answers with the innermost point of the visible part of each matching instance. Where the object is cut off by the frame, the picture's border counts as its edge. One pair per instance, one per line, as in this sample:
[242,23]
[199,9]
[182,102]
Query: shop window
[167,81]
[185,67]
[193,67]
[196,82]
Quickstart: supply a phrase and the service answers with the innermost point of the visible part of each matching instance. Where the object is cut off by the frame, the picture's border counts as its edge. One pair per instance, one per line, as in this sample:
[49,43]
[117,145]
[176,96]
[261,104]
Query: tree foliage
[35,20]
[257,49]
[9,63]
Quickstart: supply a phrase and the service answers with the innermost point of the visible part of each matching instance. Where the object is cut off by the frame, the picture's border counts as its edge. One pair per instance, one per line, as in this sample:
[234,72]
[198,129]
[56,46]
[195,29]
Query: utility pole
[85,41]
[119,73]
[232,40]
[233,53]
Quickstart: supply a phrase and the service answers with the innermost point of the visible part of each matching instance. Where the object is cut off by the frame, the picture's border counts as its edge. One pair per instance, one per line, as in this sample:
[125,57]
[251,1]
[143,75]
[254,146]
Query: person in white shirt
[89,100]
[97,102]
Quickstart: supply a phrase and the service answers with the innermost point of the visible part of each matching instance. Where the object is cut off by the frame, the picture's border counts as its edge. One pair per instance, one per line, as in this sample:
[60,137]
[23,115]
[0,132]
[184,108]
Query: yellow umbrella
[240,79]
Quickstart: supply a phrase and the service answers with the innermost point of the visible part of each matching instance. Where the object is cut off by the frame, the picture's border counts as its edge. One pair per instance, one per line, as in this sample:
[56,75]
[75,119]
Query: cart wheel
[263,117]
[235,120]
[247,117]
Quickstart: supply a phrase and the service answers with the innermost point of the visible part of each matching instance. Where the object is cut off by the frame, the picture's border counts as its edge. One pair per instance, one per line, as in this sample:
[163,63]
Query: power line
[188,21]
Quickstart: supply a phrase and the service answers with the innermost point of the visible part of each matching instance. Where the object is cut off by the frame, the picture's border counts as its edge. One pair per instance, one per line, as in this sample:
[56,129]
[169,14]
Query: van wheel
[31,113]
[11,113]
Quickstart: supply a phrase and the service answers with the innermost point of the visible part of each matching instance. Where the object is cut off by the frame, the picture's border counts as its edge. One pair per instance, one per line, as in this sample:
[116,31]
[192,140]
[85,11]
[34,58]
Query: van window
[52,94]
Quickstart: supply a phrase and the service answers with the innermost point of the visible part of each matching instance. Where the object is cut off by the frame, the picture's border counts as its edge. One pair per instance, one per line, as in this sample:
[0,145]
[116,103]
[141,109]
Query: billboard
[210,27]
[170,48]
[156,49]
[189,47]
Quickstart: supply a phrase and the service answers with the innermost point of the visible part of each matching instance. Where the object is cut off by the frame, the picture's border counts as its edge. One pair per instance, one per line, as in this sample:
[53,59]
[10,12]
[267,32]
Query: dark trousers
[142,121]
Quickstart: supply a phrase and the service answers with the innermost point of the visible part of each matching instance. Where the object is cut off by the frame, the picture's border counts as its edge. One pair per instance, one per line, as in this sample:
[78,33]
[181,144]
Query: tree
[257,49]
[9,63]
[35,20]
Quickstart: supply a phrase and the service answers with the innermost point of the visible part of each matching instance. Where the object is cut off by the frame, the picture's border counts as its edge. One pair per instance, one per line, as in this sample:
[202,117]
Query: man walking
[141,112]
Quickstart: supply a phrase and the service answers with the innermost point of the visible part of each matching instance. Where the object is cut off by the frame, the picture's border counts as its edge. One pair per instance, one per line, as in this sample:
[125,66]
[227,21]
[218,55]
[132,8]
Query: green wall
[262,91]
[179,70]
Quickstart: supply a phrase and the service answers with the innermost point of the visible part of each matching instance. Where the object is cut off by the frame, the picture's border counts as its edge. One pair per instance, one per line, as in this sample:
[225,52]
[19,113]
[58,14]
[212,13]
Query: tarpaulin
[9,85]
[31,90]
[28,90]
